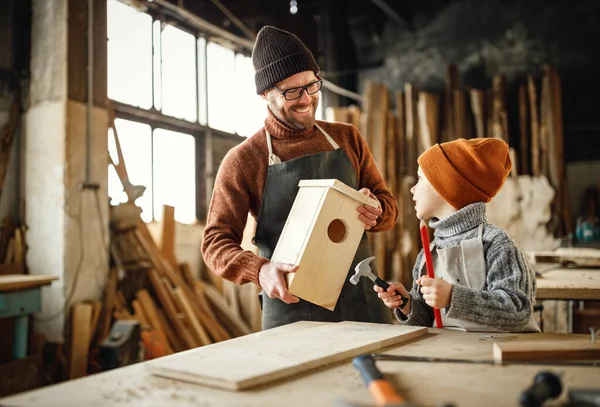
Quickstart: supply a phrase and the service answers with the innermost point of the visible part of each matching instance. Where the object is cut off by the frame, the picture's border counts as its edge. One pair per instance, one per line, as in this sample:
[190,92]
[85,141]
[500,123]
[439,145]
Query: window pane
[129,55]
[136,145]
[179,74]
[220,66]
[249,107]
[175,174]
[202,113]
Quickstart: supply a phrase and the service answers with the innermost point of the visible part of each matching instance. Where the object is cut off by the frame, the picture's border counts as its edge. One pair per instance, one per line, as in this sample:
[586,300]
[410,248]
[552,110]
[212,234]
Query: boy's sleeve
[506,301]
[421,314]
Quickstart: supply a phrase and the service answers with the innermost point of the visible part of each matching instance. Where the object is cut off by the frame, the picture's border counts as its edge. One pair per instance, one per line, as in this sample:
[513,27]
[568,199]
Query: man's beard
[287,116]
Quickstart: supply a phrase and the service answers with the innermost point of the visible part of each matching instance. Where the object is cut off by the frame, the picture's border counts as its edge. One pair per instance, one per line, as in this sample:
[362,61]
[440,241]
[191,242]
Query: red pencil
[429,263]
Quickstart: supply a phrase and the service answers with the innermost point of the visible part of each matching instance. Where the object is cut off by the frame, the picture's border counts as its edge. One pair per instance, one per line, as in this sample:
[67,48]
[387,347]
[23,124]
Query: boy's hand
[436,292]
[393,300]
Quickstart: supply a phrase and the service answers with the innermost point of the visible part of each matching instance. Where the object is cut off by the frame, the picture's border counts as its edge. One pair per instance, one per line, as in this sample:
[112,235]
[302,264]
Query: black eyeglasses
[296,93]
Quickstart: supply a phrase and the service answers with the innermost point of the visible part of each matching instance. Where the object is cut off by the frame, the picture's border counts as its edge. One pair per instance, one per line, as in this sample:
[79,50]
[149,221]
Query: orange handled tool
[429,263]
[381,390]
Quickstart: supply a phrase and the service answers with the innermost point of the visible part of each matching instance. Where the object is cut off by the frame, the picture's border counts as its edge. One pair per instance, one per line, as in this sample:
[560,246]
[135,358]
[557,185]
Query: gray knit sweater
[506,302]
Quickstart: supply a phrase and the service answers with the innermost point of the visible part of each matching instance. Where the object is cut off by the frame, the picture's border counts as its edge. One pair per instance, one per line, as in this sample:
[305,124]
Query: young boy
[482,280]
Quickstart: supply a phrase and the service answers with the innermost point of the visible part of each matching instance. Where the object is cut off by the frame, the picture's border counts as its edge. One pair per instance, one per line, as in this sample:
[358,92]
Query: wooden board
[547,350]
[14,282]
[277,353]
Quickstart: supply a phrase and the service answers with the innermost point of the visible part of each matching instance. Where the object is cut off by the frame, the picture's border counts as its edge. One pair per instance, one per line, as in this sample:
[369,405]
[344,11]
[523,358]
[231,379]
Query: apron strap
[328,137]
[480,231]
[273,159]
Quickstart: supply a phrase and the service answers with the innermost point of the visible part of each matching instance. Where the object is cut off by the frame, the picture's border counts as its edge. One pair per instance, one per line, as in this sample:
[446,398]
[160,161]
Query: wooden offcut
[563,350]
[81,335]
[279,353]
[321,236]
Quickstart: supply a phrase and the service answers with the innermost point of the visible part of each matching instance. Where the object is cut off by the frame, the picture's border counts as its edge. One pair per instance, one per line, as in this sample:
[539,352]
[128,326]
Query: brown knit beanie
[467,171]
[277,55]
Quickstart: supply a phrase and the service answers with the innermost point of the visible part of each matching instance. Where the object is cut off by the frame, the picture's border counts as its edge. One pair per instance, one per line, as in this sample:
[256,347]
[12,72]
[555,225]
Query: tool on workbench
[584,397]
[429,264]
[546,386]
[403,358]
[381,389]
[363,269]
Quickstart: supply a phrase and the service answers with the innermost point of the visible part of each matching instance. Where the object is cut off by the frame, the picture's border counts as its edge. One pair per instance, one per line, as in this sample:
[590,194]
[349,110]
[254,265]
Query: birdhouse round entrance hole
[336,230]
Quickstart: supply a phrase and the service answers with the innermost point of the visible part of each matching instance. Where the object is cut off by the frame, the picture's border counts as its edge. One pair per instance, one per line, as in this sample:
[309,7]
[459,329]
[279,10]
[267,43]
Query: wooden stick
[478,107]
[174,339]
[186,272]
[150,312]
[523,135]
[201,334]
[238,327]
[535,128]
[171,311]
[140,315]
[167,242]
[458,106]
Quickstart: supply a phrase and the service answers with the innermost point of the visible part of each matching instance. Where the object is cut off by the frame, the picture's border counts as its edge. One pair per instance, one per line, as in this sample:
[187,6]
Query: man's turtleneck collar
[459,222]
[280,130]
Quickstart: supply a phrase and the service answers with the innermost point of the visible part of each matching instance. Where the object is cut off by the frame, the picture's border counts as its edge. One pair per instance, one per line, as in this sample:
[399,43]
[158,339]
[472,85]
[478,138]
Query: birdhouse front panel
[321,236]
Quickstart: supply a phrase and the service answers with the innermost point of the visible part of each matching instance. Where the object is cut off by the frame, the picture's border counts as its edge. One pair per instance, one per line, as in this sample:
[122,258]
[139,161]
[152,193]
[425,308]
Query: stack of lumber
[397,136]
[176,311]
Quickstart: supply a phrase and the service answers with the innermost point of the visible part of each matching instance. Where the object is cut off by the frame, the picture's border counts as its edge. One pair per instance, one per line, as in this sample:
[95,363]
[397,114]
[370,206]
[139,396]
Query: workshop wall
[513,38]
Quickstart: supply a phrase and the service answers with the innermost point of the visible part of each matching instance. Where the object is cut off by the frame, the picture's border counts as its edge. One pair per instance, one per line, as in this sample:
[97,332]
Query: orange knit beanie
[467,171]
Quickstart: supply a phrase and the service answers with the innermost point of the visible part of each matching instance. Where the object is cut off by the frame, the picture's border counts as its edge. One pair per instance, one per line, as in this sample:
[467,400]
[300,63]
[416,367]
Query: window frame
[155,118]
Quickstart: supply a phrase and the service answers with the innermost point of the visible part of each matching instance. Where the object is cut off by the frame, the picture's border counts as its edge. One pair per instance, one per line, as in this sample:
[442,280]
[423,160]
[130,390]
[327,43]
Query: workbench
[20,297]
[426,384]
[561,283]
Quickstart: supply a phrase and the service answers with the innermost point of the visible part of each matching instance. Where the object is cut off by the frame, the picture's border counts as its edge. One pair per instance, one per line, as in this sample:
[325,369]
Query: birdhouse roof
[340,187]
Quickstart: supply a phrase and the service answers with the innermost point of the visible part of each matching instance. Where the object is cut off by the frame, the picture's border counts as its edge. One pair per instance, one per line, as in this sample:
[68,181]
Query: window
[174,173]
[176,86]
[179,74]
[221,87]
[249,106]
[129,55]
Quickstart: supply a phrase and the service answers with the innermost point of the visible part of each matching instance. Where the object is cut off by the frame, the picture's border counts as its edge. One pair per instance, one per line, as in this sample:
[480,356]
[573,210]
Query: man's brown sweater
[241,178]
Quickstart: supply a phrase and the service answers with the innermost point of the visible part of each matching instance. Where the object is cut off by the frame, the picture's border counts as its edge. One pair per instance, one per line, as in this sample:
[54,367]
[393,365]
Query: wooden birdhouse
[321,236]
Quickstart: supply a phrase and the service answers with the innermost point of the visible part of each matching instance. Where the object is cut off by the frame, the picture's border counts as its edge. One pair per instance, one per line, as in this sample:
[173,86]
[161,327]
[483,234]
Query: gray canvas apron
[465,265]
[356,302]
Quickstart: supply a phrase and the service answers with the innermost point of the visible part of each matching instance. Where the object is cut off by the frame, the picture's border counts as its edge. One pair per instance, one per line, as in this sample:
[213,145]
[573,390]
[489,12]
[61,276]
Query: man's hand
[393,300]
[436,292]
[367,214]
[271,279]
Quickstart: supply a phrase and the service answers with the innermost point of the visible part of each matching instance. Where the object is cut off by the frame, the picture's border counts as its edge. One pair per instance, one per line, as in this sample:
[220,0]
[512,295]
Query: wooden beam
[478,108]
[563,350]
[535,127]
[523,134]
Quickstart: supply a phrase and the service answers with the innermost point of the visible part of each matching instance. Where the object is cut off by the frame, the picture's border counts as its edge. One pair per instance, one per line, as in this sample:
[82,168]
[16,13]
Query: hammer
[363,269]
